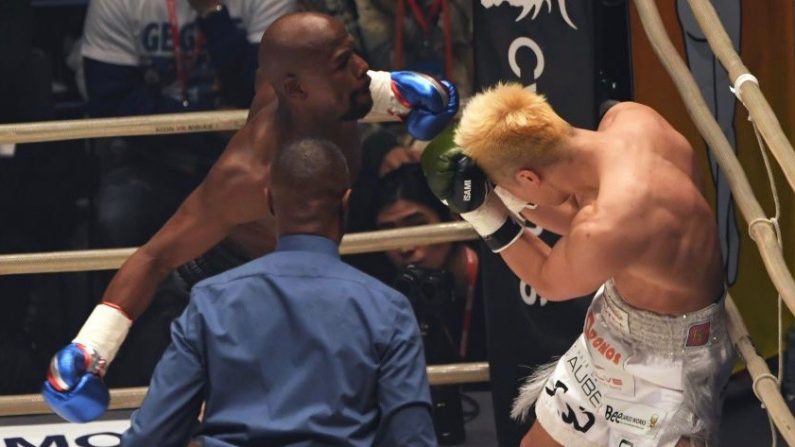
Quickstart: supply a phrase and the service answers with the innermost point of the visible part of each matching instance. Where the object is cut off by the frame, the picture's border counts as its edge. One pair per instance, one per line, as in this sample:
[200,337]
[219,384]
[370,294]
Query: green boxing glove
[461,185]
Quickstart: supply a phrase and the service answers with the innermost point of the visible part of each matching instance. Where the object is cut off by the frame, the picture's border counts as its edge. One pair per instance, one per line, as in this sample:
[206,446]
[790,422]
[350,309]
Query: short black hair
[408,182]
[309,159]
[308,178]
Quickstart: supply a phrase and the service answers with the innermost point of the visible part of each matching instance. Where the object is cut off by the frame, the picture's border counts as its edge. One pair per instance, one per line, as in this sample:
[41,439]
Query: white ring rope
[764,236]
[738,84]
[354,243]
[127,398]
[777,229]
[164,124]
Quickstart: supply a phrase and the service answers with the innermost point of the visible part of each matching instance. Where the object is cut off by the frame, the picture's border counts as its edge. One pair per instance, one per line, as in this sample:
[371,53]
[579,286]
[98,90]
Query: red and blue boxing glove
[433,103]
[426,105]
[74,388]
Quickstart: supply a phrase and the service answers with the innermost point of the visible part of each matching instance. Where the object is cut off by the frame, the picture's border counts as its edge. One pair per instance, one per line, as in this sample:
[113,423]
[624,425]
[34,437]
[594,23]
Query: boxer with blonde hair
[654,355]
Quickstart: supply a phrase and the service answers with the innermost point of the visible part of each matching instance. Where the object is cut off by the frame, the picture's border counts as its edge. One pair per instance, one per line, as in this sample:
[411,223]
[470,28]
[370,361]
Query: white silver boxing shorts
[635,378]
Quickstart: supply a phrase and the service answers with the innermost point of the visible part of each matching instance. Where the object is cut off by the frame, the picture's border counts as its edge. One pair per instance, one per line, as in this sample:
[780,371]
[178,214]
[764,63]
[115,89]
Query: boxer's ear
[527,177]
[259,78]
[293,88]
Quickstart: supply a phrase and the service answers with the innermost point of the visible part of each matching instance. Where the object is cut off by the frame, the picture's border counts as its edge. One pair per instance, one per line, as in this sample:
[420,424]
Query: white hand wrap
[104,331]
[494,224]
[385,104]
[514,204]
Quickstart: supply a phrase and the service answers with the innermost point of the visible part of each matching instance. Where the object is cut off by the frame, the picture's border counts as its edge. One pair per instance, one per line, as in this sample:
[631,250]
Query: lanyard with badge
[183,72]
[424,20]
[472,279]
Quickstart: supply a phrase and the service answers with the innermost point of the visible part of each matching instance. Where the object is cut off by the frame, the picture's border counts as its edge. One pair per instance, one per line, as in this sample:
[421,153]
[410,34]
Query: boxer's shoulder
[237,171]
[628,113]
[235,189]
[247,157]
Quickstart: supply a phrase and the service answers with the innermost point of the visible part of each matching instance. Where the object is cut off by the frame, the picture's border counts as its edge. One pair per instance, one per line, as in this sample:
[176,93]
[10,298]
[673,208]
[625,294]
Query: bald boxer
[310,84]
[654,355]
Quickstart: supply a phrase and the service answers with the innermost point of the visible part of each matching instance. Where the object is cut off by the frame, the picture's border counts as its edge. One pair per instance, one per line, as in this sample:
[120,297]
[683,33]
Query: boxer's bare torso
[230,203]
[255,233]
[639,217]
[657,183]
[311,88]
[310,84]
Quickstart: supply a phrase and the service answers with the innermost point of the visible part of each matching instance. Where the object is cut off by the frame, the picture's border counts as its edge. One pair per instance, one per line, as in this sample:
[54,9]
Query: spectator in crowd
[432,39]
[430,36]
[402,199]
[146,57]
[326,353]
[441,281]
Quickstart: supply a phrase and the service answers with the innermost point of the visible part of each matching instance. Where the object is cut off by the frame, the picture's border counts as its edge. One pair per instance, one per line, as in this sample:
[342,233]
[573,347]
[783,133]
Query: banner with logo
[34,431]
[763,35]
[550,47]
[543,44]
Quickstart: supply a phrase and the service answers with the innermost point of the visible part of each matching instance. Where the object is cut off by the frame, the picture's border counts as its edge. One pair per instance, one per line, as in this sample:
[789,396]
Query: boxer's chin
[360,104]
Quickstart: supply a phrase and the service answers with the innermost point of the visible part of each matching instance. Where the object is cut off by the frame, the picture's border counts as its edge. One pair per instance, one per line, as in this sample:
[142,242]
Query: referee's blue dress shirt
[295,348]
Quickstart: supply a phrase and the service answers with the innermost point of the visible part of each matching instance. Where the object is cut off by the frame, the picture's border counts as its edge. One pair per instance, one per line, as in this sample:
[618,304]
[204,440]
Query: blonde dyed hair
[508,127]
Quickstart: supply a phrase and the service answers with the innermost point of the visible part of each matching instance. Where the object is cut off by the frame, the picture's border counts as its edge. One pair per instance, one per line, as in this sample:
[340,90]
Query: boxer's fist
[458,182]
[432,103]
[454,178]
[74,389]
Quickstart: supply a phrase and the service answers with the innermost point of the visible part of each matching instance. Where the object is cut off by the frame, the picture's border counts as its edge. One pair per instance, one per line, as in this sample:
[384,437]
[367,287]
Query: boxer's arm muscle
[556,219]
[225,199]
[595,249]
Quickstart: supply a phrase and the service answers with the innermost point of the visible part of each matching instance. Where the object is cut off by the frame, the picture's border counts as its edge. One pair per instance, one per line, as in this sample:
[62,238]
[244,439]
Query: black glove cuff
[504,236]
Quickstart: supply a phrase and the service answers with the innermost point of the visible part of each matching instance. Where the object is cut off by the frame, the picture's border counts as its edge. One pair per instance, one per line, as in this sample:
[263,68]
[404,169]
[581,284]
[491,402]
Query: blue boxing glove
[424,103]
[433,103]
[74,388]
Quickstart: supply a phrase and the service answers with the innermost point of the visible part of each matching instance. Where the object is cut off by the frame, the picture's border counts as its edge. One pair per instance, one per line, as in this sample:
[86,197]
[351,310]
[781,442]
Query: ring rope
[763,236]
[163,124]
[758,379]
[738,84]
[779,312]
[751,95]
[701,116]
[765,123]
[765,386]
[354,243]
[127,398]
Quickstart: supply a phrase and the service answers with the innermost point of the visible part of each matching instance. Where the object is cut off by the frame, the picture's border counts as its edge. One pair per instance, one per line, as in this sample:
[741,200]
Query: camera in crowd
[432,296]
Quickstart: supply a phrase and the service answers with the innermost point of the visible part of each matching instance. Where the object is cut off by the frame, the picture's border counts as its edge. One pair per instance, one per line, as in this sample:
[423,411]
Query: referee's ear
[346,200]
